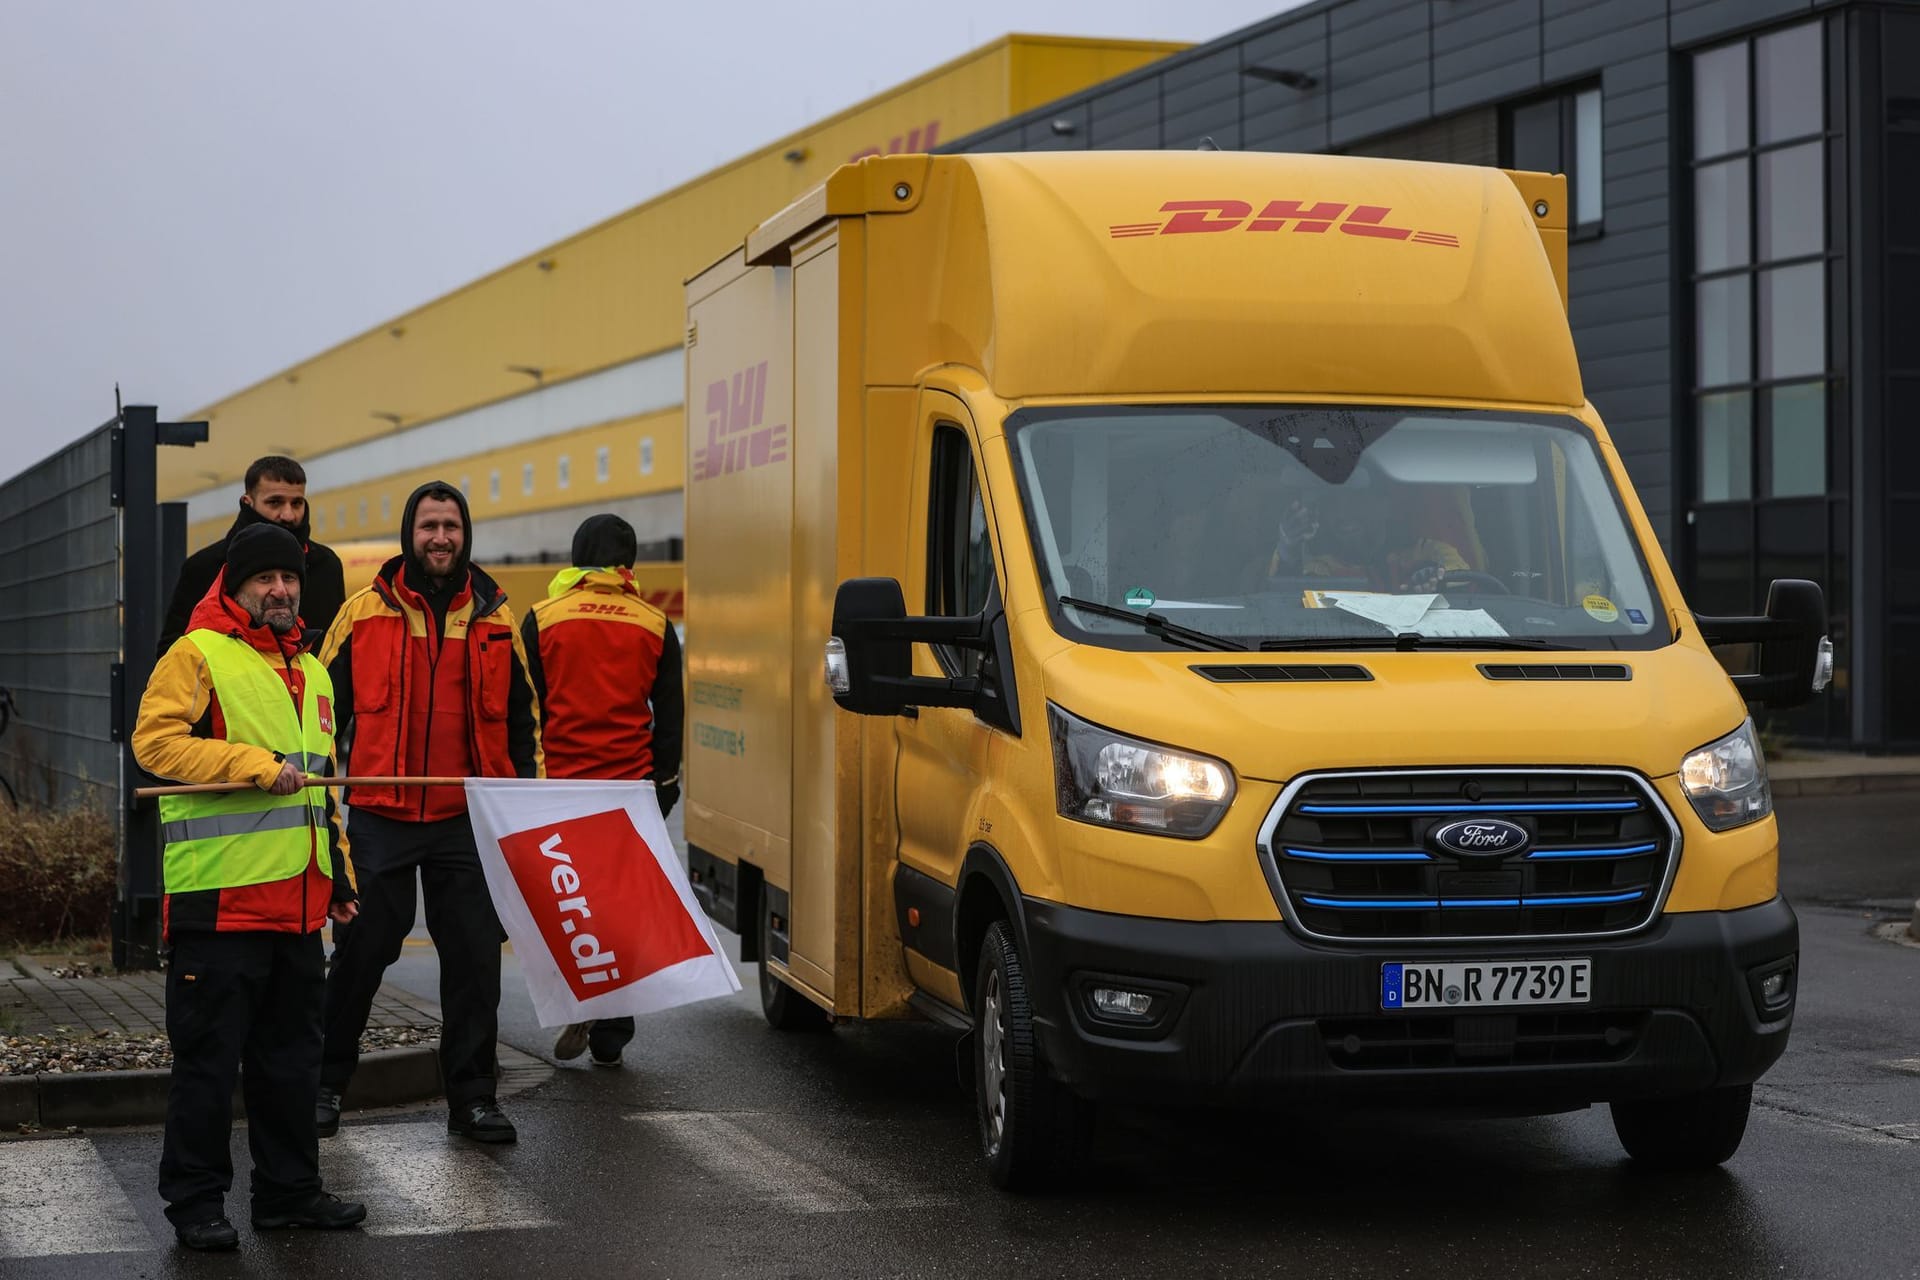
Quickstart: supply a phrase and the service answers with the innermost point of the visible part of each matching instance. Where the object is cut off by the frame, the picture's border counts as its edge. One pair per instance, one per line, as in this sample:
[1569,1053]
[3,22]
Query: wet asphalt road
[724,1148]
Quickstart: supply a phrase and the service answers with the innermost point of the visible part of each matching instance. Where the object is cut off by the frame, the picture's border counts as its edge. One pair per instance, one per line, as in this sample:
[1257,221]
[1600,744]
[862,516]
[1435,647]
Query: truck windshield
[1297,526]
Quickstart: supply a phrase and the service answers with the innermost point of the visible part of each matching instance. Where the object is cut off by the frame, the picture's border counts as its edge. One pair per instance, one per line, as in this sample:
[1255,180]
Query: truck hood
[1419,709]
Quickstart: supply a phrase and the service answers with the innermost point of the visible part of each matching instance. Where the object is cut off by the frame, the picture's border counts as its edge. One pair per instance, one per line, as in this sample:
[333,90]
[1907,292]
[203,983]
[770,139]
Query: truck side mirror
[869,657]
[1796,657]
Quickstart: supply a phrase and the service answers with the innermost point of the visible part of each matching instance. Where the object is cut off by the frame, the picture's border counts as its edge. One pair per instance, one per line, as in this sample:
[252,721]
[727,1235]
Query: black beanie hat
[258,548]
[604,541]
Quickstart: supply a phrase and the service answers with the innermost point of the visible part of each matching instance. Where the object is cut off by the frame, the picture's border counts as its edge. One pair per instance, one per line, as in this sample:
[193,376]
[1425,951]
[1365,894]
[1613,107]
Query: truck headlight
[1112,780]
[1727,780]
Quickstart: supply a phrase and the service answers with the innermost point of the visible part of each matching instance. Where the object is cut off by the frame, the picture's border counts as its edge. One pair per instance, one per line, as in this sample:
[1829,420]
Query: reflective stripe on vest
[253,837]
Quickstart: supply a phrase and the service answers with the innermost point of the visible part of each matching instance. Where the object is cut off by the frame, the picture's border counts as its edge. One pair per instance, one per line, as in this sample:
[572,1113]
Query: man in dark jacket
[606,667]
[276,494]
[430,681]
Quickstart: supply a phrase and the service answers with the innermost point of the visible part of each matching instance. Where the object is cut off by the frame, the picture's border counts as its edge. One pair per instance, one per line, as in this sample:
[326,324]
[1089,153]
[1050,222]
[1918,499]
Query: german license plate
[1485,984]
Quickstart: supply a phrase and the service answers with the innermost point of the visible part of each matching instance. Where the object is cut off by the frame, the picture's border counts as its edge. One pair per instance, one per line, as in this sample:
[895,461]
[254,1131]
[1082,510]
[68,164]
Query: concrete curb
[1845,784]
[102,1099]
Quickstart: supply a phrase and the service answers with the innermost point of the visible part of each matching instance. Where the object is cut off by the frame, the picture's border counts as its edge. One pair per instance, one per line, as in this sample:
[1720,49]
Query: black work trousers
[245,1004]
[466,933]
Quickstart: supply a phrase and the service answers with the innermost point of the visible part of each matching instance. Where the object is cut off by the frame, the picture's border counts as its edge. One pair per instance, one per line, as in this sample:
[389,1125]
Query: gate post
[143,535]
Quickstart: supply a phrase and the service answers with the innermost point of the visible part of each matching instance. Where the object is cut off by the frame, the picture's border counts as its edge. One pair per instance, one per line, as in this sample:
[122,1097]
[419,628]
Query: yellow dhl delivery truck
[1177,618]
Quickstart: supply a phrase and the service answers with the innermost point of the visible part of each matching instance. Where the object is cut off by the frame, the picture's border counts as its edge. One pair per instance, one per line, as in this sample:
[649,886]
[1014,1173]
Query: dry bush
[57,874]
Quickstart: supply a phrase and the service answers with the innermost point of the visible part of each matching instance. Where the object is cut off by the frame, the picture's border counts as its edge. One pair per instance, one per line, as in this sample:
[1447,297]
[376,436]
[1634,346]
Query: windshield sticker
[1636,617]
[1600,609]
[1139,598]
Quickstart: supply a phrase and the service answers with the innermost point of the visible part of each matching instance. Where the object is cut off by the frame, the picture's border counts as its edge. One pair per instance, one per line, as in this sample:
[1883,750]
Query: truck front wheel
[1033,1130]
[785,1008]
[1696,1131]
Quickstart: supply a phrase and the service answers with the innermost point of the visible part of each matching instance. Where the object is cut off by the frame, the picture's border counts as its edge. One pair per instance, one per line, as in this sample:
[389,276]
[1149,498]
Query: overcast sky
[197,194]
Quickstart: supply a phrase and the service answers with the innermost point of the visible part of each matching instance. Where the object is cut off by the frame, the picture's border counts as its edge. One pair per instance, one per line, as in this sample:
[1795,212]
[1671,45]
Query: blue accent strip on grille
[1627,852]
[1316,855]
[1588,900]
[1430,904]
[1491,810]
[1373,904]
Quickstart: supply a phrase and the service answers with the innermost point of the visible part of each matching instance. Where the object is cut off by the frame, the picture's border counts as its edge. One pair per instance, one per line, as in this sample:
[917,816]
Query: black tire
[1034,1131]
[785,1008]
[1695,1131]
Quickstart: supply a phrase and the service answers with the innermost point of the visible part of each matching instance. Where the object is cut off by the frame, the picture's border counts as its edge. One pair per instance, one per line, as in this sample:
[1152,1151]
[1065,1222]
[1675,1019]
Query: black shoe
[607,1059]
[326,1113]
[323,1213]
[211,1236]
[483,1121]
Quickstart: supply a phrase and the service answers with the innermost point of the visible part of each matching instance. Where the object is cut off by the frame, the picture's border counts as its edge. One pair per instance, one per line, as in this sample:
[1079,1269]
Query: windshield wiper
[1155,623]
[1408,641]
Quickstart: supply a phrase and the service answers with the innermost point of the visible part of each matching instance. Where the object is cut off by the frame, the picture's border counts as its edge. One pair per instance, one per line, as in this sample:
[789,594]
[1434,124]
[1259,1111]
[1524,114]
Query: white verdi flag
[586,882]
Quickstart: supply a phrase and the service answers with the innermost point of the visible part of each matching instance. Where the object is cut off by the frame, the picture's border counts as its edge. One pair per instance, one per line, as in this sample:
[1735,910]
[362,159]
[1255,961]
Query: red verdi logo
[607,912]
[1192,217]
[736,438]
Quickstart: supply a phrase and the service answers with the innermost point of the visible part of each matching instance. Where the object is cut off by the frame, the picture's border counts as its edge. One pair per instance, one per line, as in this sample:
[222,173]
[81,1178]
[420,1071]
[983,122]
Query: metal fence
[60,627]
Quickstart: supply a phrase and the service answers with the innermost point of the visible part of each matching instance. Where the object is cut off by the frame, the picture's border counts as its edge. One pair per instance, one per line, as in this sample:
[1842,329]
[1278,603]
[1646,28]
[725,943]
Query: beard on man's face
[278,615]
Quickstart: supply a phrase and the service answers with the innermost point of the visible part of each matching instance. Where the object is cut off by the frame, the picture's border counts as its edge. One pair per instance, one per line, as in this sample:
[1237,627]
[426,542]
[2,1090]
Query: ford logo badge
[1480,838]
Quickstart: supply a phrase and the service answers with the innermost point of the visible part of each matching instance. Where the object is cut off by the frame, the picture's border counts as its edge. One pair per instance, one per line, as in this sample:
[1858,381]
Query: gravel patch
[119,1051]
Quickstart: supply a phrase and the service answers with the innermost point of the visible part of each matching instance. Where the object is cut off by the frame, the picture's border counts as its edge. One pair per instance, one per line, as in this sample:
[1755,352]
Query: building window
[1562,134]
[526,479]
[386,508]
[646,455]
[466,487]
[493,486]
[340,515]
[1760,240]
[563,474]
[363,513]
[602,464]
[320,519]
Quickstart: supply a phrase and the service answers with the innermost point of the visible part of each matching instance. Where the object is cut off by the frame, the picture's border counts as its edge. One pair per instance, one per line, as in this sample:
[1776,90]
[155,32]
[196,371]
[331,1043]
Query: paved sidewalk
[34,1001]
[1828,773]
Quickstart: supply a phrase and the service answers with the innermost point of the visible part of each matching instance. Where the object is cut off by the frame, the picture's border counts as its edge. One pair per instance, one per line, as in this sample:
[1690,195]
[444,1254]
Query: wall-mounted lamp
[538,375]
[391,419]
[1282,75]
[1063,127]
[794,155]
[545,264]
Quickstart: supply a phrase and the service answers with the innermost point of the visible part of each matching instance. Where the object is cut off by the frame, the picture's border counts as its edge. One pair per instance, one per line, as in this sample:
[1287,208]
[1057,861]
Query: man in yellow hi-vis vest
[250,878]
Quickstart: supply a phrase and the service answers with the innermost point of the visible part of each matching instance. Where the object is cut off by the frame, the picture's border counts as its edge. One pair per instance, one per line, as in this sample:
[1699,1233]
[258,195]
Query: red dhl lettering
[736,440]
[924,138]
[1193,217]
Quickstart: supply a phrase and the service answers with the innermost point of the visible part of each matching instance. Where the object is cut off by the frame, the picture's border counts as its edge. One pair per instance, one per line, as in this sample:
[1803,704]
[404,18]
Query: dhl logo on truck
[1192,216]
[736,440]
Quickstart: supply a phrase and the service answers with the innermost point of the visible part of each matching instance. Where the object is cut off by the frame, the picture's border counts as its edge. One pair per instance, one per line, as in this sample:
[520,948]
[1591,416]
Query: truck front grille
[1349,858]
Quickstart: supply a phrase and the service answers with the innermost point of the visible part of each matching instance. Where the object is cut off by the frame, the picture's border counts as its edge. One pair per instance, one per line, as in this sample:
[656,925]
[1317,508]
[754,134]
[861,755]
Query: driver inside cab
[1392,537]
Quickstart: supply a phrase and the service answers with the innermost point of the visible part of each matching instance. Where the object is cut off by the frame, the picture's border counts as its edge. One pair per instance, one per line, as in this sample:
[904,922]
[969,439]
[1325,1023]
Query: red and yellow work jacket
[242,863]
[606,667]
[425,699]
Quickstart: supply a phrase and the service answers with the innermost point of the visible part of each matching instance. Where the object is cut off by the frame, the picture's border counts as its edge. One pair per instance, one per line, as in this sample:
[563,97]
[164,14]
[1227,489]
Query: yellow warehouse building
[552,388]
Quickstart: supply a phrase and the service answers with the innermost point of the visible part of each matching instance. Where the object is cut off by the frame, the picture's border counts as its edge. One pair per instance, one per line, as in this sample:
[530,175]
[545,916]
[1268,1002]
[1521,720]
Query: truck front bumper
[1249,1013]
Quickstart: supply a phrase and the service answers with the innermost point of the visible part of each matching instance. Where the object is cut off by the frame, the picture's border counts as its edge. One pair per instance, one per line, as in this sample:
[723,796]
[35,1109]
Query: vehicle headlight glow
[1112,780]
[1727,780]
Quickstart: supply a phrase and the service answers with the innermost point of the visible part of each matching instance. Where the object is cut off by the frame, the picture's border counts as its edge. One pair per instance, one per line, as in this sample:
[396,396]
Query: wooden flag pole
[217,788]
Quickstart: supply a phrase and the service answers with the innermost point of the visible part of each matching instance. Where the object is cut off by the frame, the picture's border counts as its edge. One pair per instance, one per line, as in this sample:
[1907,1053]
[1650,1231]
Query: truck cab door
[951,572]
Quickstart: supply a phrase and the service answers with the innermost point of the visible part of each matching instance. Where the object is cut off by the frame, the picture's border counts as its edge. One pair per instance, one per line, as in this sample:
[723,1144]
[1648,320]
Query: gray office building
[1745,186]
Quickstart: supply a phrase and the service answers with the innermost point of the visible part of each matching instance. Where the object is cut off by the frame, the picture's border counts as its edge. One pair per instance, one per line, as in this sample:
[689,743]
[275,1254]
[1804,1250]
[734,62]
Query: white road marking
[58,1196]
[719,1144]
[419,1180]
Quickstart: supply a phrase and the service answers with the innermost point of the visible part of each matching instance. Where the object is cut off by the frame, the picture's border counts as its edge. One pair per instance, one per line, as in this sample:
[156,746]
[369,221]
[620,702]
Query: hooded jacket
[606,667]
[431,681]
[321,592]
[181,735]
